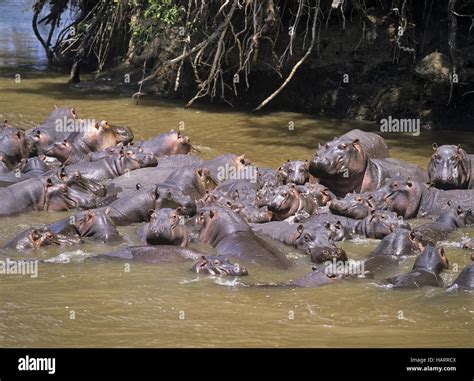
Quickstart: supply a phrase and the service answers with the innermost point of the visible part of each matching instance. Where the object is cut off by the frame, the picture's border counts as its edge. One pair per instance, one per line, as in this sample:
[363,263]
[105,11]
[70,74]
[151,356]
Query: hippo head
[216,222]
[401,243]
[166,227]
[39,140]
[431,259]
[80,183]
[173,198]
[218,265]
[449,167]
[176,143]
[42,237]
[61,197]
[296,172]
[456,216]
[285,202]
[321,194]
[35,163]
[341,157]
[59,150]
[205,182]
[381,223]
[122,134]
[325,254]
[144,159]
[403,196]
[354,205]
[96,224]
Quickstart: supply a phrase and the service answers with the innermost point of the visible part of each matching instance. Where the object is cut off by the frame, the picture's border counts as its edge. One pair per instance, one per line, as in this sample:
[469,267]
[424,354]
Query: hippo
[27,168]
[13,146]
[230,166]
[166,227]
[426,270]
[379,224]
[32,238]
[353,205]
[450,167]
[75,180]
[412,198]
[66,153]
[170,143]
[154,254]
[287,202]
[465,280]
[97,226]
[330,272]
[468,243]
[447,222]
[113,166]
[294,172]
[394,248]
[191,181]
[98,136]
[373,144]
[299,236]
[42,194]
[218,265]
[48,132]
[343,166]
[230,235]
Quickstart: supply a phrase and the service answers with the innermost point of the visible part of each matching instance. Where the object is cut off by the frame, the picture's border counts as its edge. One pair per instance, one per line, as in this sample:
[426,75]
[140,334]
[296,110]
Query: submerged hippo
[294,172]
[166,227]
[230,235]
[379,224]
[394,248]
[218,265]
[191,181]
[412,198]
[446,223]
[451,167]
[170,143]
[343,166]
[66,153]
[154,254]
[230,166]
[32,238]
[426,270]
[27,168]
[465,280]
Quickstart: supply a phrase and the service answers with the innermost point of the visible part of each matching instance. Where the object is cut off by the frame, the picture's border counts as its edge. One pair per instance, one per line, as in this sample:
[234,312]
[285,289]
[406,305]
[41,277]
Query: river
[82,303]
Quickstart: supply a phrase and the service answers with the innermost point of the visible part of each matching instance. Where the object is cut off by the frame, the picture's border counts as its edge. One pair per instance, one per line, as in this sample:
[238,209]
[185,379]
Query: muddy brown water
[79,302]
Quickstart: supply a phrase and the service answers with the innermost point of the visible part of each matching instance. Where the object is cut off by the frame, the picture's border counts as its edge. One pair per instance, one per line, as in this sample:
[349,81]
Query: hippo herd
[350,188]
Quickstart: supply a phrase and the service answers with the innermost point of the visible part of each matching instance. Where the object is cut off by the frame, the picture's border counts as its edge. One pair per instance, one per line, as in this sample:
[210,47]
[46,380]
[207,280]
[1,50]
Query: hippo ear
[459,210]
[435,146]
[65,141]
[211,214]
[138,186]
[300,229]
[151,215]
[199,171]
[314,268]
[327,225]
[287,160]
[450,202]
[459,147]
[49,182]
[356,142]
[96,125]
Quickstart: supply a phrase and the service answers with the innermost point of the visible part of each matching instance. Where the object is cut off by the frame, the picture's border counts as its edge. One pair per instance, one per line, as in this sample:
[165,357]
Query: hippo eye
[342,146]
[302,169]
[436,157]
[284,194]
[49,236]
[64,189]
[382,217]
[395,185]
[358,199]
[307,237]
[217,262]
